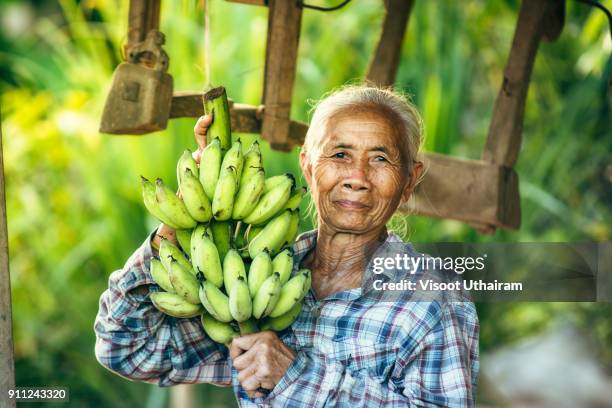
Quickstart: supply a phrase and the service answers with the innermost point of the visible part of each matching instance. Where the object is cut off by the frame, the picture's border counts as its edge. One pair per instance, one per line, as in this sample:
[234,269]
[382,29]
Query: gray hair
[392,103]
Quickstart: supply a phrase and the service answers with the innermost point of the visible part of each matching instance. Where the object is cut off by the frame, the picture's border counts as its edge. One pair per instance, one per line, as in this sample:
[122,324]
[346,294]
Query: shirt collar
[307,241]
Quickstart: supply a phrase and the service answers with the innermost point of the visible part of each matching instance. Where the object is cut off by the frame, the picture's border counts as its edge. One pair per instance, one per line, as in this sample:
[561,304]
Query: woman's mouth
[351,205]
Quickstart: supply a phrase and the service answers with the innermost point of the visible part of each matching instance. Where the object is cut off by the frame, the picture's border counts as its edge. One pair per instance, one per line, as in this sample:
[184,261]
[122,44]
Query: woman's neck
[339,259]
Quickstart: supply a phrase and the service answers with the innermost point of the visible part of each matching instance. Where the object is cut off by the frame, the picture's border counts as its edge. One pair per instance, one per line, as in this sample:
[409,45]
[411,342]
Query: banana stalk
[216,105]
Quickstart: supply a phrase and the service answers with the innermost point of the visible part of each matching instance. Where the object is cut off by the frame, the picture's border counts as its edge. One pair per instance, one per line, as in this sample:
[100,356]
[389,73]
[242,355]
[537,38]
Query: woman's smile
[352,205]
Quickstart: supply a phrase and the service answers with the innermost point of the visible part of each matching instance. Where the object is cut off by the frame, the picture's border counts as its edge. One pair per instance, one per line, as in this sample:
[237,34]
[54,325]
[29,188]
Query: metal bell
[141,92]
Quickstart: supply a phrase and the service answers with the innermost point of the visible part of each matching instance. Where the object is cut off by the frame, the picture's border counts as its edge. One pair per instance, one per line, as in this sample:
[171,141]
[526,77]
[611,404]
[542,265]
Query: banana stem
[217,105]
[248,327]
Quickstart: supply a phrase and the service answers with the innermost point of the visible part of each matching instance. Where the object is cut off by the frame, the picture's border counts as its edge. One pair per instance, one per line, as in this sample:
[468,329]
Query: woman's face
[357,176]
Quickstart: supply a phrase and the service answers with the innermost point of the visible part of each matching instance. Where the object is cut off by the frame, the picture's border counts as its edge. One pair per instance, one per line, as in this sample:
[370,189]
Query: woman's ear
[306,167]
[415,176]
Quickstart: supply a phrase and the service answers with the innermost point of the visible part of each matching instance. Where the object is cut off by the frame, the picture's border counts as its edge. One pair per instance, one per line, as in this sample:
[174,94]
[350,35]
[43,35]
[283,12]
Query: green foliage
[73,197]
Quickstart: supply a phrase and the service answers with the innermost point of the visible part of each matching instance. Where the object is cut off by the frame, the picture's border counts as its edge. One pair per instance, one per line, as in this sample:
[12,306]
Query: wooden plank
[137,22]
[143,16]
[7,362]
[385,61]
[245,118]
[553,24]
[153,15]
[250,2]
[472,191]
[504,137]
[284,21]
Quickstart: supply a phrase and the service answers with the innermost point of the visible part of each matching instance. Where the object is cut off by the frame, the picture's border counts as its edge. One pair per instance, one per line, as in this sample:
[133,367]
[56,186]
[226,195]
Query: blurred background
[73,195]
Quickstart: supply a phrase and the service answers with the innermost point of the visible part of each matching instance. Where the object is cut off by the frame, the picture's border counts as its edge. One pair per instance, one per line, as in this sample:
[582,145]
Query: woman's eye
[340,155]
[381,158]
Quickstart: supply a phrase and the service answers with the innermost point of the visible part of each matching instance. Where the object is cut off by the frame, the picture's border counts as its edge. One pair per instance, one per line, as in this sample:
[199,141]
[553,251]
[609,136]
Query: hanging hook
[320,8]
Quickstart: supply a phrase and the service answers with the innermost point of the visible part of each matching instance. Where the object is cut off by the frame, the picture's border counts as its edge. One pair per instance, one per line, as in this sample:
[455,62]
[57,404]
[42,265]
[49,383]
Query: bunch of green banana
[232,264]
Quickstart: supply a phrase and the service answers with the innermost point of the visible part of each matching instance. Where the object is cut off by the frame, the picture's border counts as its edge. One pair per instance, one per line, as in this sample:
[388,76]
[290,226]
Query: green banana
[252,162]
[253,232]
[233,158]
[218,331]
[233,267]
[260,269]
[205,257]
[270,203]
[283,321]
[240,304]
[275,181]
[308,282]
[160,275]
[272,236]
[292,229]
[267,296]
[168,251]
[148,196]
[248,326]
[210,167]
[223,201]
[183,236]
[291,293]
[296,198]
[186,161]
[174,305]
[248,195]
[222,236]
[194,197]
[283,265]
[217,105]
[215,302]
[172,206]
[183,282]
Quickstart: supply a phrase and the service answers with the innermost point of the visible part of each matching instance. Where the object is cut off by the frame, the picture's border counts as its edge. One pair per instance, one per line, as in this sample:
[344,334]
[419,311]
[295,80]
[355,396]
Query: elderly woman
[345,348]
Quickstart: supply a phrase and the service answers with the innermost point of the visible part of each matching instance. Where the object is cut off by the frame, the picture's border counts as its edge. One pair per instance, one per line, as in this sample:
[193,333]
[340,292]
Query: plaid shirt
[351,350]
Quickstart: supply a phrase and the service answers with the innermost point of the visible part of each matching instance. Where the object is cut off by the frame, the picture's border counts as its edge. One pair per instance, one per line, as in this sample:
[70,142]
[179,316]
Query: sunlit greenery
[73,197]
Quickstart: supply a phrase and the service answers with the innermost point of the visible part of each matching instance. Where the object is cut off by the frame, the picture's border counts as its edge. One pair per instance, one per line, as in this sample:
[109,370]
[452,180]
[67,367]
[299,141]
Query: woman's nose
[357,180]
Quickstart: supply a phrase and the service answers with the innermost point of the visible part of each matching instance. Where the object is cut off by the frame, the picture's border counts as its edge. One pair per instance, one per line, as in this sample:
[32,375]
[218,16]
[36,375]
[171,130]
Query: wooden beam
[7,361]
[553,23]
[250,2]
[472,191]
[245,118]
[284,21]
[504,137]
[385,61]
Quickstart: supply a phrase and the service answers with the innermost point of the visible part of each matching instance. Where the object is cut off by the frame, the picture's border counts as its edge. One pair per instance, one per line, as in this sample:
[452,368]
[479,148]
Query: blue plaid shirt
[351,350]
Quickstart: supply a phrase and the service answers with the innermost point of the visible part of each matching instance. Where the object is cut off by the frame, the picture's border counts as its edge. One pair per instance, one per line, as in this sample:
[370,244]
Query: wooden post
[143,16]
[284,21]
[504,137]
[384,63]
[7,362]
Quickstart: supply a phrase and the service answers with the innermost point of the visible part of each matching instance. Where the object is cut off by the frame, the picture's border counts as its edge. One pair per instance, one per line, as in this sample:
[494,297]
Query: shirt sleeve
[436,370]
[138,342]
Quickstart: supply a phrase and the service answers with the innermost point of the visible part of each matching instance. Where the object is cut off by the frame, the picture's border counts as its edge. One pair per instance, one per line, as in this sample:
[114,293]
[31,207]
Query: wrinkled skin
[357,178]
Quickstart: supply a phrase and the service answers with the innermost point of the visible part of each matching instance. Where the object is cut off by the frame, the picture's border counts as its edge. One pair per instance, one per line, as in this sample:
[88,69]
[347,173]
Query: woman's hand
[199,131]
[261,359]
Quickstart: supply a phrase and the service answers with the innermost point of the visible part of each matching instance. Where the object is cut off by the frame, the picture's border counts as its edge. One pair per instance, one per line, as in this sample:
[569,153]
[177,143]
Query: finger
[250,371]
[252,394]
[235,351]
[200,129]
[250,384]
[197,155]
[245,342]
[245,359]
